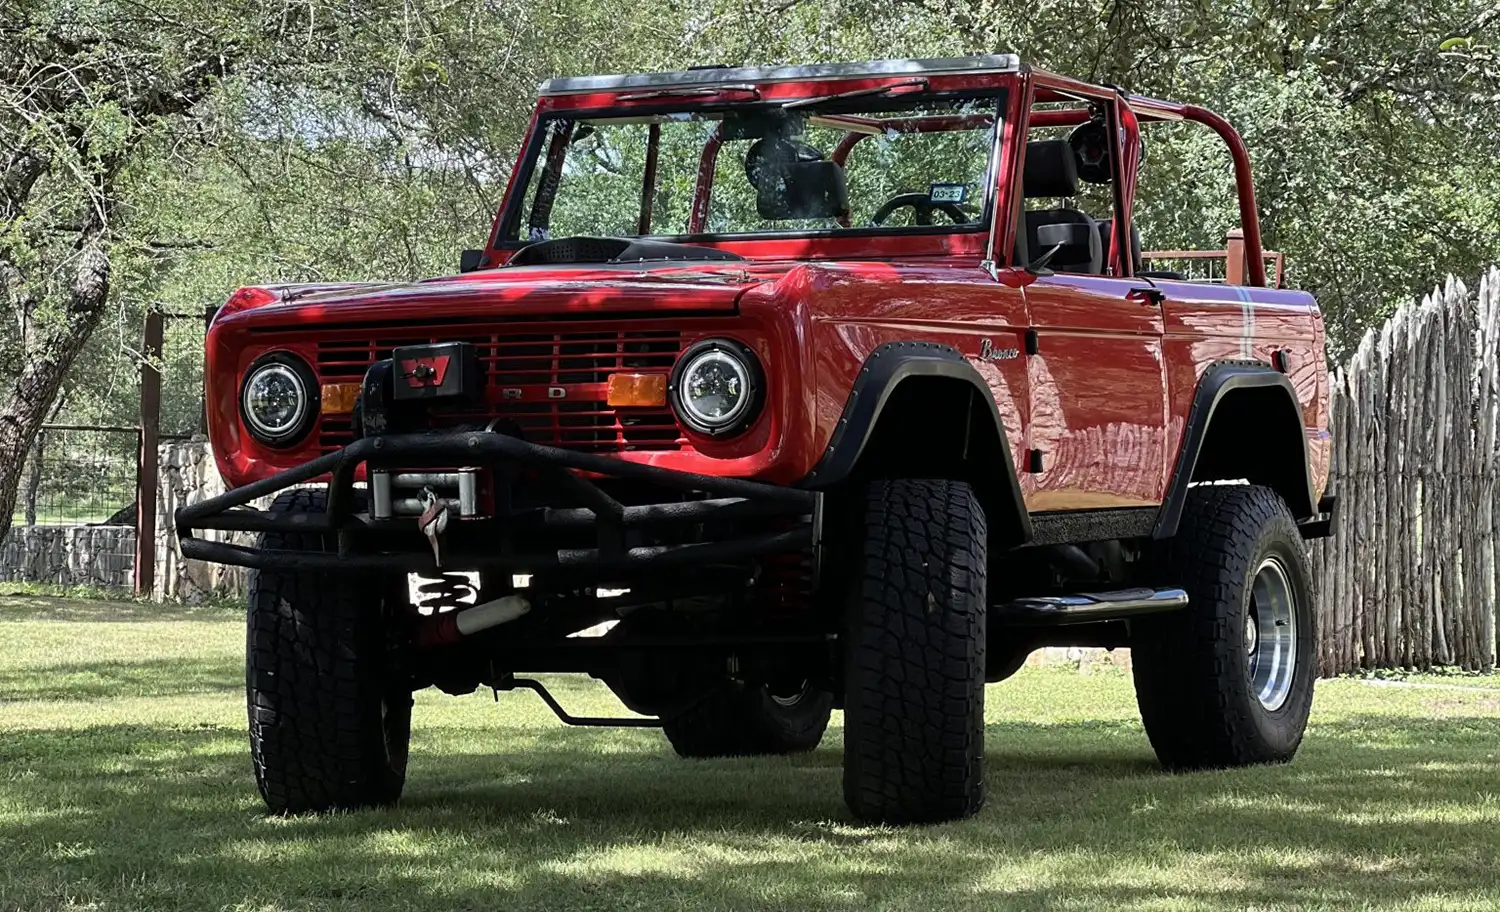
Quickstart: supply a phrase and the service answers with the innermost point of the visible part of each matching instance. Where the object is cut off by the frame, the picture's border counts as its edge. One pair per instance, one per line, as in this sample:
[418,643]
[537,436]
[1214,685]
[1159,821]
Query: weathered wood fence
[1409,578]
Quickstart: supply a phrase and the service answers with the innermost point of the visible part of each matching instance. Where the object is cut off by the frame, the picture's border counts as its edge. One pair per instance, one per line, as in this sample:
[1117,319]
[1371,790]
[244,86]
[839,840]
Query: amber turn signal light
[338,398]
[637,389]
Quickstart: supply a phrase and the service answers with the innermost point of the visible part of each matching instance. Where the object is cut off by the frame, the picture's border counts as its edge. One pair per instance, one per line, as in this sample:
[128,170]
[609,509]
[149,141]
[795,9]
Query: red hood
[699,287]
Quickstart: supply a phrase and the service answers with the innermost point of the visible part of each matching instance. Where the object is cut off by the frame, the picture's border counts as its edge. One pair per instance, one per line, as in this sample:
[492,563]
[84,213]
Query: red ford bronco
[815,387]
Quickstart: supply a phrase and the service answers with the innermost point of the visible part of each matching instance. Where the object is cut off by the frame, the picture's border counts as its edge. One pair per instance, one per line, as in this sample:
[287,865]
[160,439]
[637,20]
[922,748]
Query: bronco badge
[988,352]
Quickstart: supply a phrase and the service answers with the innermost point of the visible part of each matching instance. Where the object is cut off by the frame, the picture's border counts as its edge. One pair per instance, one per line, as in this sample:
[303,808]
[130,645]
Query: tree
[160,153]
[79,94]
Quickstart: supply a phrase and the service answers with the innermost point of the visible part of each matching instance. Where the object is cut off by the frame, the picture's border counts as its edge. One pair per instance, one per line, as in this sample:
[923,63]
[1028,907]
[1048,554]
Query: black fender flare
[1219,380]
[885,369]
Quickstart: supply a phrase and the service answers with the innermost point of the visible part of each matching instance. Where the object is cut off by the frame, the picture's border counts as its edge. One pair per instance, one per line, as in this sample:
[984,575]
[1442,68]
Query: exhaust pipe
[446,629]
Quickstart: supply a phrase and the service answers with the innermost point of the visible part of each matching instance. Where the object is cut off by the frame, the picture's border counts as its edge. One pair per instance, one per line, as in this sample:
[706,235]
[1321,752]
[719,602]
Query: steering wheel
[923,208]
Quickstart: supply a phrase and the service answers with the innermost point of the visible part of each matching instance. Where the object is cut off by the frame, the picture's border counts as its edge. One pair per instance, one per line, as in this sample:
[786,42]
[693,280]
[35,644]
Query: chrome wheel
[1271,634]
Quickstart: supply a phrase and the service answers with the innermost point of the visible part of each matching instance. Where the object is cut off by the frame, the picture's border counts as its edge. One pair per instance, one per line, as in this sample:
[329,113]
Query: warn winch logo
[420,372]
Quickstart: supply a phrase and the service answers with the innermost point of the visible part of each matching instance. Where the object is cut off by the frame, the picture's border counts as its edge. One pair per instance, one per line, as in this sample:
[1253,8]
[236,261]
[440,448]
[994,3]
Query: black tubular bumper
[768,518]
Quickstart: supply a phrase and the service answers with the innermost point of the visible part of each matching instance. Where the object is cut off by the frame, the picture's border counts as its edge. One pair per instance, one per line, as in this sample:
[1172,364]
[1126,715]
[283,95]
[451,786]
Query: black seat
[804,190]
[1052,172]
[1105,241]
[1139,264]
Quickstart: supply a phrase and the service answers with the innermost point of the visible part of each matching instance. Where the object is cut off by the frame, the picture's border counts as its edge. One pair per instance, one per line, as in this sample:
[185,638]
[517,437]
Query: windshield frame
[507,232]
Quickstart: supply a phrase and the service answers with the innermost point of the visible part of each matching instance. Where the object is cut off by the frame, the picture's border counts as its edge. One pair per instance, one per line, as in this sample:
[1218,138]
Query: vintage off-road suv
[835,386]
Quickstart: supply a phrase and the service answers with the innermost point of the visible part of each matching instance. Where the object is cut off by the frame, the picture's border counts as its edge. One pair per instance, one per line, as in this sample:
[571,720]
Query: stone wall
[101,555]
[69,555]
[104,555]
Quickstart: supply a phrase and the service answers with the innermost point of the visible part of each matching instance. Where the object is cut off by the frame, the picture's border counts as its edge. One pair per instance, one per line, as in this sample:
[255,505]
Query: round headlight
[276,399]
[716,387]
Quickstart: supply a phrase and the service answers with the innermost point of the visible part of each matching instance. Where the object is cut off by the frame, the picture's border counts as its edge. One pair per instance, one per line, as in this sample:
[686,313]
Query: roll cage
[1030,98]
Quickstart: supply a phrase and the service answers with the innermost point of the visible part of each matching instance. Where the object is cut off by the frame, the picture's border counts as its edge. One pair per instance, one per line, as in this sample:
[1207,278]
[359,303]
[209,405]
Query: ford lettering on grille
[548,384]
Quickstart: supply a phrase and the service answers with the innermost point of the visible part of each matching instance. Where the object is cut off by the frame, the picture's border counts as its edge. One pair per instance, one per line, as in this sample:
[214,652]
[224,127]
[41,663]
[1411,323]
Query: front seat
[1052,172]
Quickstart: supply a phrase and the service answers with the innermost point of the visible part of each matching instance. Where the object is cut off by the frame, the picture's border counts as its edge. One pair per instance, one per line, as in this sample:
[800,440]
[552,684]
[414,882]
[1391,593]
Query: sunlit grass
[125,784]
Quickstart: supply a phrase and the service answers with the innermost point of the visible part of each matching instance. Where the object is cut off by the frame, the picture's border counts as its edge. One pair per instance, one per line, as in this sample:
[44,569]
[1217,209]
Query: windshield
[867,165]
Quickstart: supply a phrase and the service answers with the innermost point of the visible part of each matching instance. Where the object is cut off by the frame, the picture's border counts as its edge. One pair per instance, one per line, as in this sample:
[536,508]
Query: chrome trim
[408,506]
[730,76]
[380,495]
[1271,634]
[385,502]
[468,492]
[1096,605]
[425,479]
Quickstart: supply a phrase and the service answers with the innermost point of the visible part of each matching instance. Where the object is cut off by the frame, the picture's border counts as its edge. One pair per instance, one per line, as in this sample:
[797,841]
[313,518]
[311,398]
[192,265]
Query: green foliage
[373,140]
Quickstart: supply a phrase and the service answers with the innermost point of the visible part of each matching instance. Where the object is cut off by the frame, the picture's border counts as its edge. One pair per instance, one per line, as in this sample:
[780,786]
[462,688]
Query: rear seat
[1052,172]
[1108,225]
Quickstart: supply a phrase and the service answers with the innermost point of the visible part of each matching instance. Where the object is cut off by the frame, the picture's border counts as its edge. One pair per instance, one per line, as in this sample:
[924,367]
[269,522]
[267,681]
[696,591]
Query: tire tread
[914,699]
[1199,711]
[312,657]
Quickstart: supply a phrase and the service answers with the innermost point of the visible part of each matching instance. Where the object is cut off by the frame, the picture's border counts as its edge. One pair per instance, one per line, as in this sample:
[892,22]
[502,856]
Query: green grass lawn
[125,784]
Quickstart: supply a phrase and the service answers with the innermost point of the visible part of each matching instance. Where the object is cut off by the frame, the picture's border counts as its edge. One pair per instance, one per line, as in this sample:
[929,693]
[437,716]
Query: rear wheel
[736,719]
[1228,681]
[330,719]
[914,656]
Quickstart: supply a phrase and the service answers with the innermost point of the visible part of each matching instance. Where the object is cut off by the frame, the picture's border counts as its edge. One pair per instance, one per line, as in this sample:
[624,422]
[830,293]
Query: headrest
[772,153]
[1051,169]
[803,190]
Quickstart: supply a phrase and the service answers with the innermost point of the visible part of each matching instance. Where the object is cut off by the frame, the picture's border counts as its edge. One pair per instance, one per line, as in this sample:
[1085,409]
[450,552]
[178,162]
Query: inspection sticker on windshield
[948,193]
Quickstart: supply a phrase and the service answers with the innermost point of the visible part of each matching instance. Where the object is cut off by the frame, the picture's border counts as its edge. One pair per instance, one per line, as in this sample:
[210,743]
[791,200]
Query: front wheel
[1228,681]
[914,655]
[329,720]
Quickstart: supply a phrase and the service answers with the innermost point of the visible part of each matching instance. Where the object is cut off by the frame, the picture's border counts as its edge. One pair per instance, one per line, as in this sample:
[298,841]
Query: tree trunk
[34,475]
[31,396]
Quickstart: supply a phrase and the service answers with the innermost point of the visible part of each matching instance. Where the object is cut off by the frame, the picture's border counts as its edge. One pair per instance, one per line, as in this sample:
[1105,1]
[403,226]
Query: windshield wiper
[919,84]
[691,92]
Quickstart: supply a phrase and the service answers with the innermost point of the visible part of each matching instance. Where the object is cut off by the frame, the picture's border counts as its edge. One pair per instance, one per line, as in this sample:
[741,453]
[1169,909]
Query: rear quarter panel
[1204,324]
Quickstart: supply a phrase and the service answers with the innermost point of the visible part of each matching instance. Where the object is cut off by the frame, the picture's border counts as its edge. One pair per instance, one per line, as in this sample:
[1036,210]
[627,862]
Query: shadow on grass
[112,679]
[1078,817]
[24,607]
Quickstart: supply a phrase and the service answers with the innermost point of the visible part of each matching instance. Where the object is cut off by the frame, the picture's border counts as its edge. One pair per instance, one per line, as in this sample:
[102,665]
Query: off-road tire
[329,723]
[914,655]
[1192,682]
[740,720]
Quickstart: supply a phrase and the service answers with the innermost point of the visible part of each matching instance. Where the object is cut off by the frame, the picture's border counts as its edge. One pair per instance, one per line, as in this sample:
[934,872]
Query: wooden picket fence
[1408,579]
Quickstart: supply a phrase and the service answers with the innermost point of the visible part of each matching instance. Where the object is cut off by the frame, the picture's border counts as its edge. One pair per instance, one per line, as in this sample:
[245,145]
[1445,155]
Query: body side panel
[1098,409]
[855,311]
[1205,324]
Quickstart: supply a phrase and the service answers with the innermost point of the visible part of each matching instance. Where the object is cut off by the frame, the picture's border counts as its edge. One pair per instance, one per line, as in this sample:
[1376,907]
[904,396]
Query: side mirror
[470,260]
[1038,266]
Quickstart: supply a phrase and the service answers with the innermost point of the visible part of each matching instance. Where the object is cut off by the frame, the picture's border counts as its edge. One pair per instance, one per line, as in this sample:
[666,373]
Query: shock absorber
[786,582]
[449,612]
